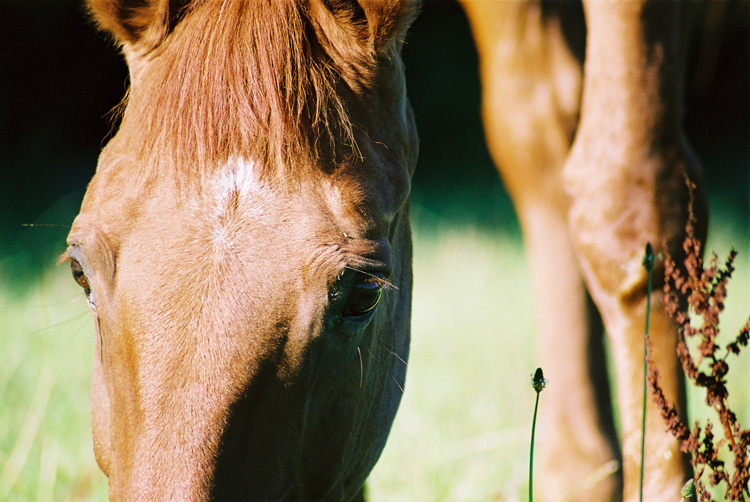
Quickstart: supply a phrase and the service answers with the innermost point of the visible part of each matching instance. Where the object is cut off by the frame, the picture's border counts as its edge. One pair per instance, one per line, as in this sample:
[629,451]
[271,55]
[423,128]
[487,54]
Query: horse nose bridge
[174,457]
[205,421]
[188,393]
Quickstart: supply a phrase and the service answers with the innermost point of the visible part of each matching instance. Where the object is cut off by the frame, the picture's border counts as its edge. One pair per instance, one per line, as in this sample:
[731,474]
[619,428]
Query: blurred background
[462,431]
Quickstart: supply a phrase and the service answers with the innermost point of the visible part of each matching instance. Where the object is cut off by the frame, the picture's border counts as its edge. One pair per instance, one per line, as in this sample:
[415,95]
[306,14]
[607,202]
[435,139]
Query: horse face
[244,334]
[252,326]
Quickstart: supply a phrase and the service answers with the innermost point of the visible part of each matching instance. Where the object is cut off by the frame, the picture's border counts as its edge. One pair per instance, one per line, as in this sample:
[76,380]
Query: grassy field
[460,435]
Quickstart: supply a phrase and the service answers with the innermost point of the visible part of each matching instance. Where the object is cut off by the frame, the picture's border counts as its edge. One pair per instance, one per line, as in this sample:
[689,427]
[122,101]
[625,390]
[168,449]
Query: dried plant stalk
[702,287]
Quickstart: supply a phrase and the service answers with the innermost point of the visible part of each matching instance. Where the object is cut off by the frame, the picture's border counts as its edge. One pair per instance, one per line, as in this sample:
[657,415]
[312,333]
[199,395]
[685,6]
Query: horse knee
[616,208]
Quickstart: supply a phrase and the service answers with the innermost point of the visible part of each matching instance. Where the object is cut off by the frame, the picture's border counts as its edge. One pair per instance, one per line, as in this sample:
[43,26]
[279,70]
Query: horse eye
[79,276]
[364,297]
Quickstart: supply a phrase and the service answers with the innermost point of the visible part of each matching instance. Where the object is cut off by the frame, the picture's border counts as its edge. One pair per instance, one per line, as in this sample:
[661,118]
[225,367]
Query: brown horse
[245,245]
[245,249]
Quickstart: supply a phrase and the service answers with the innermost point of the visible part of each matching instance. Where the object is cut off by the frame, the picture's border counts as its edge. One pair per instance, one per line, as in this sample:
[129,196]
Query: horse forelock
[262,79]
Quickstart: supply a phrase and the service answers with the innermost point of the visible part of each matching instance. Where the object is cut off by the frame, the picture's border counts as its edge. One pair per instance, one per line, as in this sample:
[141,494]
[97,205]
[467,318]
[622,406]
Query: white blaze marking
[234,185]
[238,177]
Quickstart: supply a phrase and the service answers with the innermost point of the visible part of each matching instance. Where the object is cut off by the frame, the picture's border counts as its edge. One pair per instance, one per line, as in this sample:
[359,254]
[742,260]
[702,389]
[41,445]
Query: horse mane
[268,80]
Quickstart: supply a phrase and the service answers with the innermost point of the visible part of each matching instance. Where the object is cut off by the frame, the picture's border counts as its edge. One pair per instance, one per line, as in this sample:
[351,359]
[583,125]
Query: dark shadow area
[455,178]
[717,119]
[59,78]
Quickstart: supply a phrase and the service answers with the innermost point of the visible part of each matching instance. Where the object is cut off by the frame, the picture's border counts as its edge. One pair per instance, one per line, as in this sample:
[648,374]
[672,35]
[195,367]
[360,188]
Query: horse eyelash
[64,258]
[381,281]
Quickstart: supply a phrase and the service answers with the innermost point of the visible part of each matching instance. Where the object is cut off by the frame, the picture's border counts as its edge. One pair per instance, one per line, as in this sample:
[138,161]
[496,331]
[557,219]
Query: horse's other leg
[625,177]
[531,78]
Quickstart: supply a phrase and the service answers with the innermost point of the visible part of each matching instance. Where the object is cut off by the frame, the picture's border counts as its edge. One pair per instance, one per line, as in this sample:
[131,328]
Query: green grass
[462,433]
[45,371]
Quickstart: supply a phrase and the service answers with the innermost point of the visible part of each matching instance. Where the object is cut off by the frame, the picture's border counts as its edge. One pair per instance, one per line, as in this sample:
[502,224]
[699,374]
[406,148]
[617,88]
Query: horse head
[245,249]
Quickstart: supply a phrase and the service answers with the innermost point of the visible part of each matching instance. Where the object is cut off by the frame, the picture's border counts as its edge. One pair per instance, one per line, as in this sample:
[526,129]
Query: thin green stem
[648,264]
[531,455]
[538,383]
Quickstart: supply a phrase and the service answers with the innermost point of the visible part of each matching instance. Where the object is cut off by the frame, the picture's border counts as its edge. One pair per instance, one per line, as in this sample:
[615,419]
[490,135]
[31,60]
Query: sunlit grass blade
[10,370]
[48,471]
[25,439]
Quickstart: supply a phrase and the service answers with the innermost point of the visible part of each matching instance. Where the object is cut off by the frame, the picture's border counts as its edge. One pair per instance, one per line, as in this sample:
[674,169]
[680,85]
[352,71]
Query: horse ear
[372,24]
[142,23]
[388,20]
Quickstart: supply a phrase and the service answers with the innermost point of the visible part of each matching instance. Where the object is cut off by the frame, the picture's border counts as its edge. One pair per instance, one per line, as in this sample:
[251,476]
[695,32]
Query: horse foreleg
[626,179]
[531,83]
